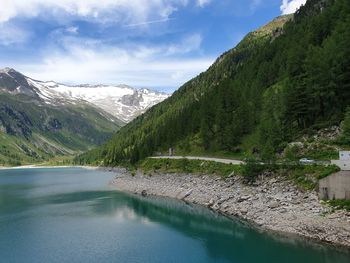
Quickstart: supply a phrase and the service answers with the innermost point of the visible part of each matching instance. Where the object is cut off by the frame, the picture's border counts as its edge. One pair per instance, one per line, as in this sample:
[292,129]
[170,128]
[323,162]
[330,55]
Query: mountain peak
[7,70]
[273,25]
[15,83]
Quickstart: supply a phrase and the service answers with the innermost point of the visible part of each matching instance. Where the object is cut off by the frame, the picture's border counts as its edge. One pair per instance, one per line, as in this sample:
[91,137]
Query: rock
[273,181]
[283,210]
[295,201]
[332,216]
[144,193]
[211,202]
[274,205]
[292,218]
[316,210]
[243,198]
[187,194]
[243,211]
[216,207]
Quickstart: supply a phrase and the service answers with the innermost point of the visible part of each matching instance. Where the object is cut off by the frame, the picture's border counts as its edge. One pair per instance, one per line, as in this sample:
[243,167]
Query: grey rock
[274,205]
[210,203]
[243,211]
[216,207]
[187,194]
[243,198]
[295,201]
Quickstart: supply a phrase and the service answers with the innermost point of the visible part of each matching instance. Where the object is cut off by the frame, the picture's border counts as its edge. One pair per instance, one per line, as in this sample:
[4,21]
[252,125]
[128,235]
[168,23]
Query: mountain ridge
[122,101]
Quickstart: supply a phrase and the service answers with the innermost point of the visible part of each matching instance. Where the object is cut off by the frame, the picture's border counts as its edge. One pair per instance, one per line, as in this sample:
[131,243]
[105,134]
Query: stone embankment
[271,204]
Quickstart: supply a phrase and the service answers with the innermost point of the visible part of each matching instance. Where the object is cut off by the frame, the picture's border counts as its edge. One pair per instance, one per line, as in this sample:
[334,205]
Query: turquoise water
[72,215]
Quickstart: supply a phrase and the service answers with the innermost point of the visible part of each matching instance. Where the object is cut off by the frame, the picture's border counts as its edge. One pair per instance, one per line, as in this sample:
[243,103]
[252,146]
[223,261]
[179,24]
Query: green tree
[345,125]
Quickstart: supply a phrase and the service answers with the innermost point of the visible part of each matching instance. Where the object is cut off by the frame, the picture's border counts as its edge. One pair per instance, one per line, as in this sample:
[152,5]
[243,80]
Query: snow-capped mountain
[122,101]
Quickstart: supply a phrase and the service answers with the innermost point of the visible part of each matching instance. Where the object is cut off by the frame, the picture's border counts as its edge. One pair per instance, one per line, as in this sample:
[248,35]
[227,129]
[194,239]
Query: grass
[321,150]
[340,204]
[307,176]
[58,161]
[189,166]
[323,155]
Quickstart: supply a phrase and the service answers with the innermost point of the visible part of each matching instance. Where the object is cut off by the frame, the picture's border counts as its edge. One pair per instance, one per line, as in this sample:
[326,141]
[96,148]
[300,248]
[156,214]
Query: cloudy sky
[158,44]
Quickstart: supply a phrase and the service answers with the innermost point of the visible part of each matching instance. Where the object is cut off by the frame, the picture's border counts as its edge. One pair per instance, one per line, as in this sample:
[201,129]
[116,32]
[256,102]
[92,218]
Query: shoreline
[34,166]
[271,205]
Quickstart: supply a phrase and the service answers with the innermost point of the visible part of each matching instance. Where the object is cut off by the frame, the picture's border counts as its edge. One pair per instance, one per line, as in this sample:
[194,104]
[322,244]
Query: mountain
[286,79]
[39,120]
[122,101]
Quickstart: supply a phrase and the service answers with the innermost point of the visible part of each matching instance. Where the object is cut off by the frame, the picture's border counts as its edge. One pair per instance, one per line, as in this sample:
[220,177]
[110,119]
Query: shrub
[340,204]
[252,169]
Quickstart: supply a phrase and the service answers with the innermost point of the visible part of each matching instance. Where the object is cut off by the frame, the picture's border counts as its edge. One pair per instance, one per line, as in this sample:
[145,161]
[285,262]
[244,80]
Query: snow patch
[122,101]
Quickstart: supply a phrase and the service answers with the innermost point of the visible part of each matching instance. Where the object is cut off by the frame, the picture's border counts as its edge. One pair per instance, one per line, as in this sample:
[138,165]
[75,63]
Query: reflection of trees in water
[223,238]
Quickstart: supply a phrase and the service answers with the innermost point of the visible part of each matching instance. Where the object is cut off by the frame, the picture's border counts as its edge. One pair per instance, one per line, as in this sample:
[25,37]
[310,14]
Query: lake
[73,215]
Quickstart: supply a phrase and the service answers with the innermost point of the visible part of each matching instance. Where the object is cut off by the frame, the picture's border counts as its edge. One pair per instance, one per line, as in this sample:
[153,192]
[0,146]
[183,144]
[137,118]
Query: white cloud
[126,11]
[203,3]
[85,61]
[72,59]
[290,6]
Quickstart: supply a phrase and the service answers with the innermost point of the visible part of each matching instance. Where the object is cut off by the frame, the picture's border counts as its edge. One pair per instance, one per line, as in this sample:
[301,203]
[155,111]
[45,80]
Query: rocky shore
[271,203]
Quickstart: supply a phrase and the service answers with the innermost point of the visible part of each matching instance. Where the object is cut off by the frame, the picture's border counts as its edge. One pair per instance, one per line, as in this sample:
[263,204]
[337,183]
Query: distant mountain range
[122,101]
[40,120]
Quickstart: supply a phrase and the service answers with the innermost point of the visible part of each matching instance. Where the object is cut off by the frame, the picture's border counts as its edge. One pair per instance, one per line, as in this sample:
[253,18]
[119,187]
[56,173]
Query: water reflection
[79,204]
[223,238]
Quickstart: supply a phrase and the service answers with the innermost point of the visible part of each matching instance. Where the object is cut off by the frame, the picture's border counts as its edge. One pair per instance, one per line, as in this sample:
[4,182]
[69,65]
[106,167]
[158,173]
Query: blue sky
[158,44]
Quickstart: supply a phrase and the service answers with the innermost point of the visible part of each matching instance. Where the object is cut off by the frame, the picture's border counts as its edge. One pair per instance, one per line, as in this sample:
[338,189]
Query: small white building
[344,160]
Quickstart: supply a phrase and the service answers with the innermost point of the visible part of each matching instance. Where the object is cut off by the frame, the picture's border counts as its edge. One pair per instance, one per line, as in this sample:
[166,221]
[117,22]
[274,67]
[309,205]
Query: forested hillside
[289,77]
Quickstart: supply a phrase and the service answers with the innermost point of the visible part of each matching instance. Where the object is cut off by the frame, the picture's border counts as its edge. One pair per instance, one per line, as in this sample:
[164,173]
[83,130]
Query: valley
[40,121]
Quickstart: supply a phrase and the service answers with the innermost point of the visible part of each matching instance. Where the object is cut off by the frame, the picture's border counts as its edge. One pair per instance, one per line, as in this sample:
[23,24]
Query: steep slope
[32,130]
[280,81]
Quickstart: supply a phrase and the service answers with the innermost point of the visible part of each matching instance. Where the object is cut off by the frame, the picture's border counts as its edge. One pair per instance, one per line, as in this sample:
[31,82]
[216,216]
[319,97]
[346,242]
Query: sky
[157,44]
